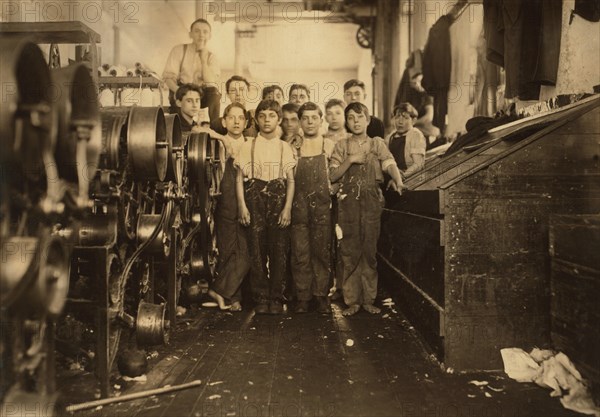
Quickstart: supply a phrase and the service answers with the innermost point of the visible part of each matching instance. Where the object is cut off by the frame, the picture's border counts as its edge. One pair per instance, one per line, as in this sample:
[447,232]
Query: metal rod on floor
[133,396]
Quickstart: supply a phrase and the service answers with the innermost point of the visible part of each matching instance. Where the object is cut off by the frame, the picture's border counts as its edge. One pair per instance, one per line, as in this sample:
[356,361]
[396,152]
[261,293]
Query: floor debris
[478,383]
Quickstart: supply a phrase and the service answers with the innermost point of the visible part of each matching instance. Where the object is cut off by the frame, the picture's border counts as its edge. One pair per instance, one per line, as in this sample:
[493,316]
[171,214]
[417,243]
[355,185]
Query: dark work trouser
[360,220]
[311,229]
[268,244]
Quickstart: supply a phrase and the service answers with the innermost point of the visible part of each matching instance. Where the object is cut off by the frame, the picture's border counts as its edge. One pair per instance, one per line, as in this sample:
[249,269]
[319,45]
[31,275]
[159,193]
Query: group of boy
[275,210]
[286,183]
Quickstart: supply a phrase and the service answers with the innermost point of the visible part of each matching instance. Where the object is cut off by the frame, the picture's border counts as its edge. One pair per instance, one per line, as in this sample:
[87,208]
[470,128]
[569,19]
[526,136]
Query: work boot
[301,307]
[323,305]
[261,308]
[276,307]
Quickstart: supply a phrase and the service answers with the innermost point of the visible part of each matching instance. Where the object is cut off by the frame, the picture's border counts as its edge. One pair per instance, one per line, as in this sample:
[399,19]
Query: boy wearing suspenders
[311,214]
[265,190]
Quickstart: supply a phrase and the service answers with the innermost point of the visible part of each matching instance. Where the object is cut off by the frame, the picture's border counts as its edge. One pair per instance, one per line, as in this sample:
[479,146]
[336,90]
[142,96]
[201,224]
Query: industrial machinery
[103,212]
[47,142]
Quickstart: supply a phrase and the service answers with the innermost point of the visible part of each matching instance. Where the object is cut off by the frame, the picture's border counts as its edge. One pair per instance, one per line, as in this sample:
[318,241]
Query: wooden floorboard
[301,365]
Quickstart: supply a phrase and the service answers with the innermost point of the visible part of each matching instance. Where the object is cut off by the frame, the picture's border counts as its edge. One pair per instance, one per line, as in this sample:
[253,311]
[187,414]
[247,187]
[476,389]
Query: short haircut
[231,106]
[356,108]
[405,108]
[335,102]
[200,21]
[186,88]
[236,78]
[268,105]
[271,89]
[290,108]
[308,106]
[299,87]
[354,83]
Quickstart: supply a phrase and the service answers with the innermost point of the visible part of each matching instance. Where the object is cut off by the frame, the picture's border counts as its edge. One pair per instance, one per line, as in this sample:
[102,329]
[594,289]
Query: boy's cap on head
[334,102]
[268,105]
[290,108]
[356,107]
[270,89]
[405,108]
[308,106]
[353,83]
[231,106]
[186,88]
[200,21]
[299,87]
[236,78]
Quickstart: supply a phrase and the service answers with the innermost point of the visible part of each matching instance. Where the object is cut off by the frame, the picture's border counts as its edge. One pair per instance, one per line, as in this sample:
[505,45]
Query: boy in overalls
[234,262]
[311,214]
[265,190]
[357,163]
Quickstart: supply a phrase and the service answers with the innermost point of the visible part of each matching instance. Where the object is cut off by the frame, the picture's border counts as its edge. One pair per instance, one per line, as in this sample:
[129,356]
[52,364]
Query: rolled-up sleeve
[415,143]
[338,155]
[383,154]
[173,63]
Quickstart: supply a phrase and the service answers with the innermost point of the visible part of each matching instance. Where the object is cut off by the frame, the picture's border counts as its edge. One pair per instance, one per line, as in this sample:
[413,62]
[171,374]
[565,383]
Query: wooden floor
[302,365]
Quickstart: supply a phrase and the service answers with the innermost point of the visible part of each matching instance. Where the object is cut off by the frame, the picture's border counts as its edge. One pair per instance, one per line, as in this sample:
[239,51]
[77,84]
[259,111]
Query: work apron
[311,227]
[234,263]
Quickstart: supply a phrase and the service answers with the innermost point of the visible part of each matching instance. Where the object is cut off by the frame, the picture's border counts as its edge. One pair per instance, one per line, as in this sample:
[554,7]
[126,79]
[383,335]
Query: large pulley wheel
[147,146]
[161,244]
[201,170]
[152,327]
[35,277]
[114,137]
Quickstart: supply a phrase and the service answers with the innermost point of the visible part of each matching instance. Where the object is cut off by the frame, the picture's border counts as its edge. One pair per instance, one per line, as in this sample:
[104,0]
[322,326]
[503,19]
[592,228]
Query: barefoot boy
[234,262]
[311,214]
[265,190]
[357,163]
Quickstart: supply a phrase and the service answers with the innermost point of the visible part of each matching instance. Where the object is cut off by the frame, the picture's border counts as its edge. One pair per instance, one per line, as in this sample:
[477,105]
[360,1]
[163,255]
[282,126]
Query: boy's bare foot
[236,306]
[370,308]
[220,300]
[350,311]
[180,311]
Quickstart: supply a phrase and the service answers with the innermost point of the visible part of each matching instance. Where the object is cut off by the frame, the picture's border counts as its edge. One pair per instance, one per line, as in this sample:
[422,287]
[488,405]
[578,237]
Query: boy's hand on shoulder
[285,218]
[244,215]
[205,129]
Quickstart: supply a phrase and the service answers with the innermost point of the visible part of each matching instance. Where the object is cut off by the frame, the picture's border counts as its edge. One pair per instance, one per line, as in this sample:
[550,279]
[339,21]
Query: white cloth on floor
[554,371]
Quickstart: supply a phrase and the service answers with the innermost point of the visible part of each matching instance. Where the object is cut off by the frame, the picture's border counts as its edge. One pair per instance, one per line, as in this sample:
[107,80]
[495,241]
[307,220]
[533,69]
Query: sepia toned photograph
[309,208]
